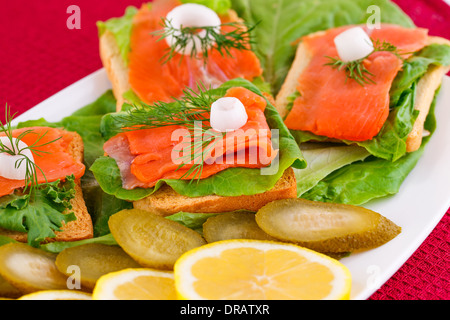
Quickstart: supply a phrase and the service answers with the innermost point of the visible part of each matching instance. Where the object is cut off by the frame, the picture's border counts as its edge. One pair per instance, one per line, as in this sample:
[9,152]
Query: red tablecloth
[39,56]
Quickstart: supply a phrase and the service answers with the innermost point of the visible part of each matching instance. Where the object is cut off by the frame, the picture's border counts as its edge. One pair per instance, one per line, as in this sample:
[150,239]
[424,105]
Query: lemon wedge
[56,295]
[261,270]
[136,284]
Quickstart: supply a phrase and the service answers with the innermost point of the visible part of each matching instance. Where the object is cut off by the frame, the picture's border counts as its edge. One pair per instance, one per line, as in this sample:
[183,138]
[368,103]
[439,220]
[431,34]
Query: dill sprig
[14,149]
[356,70]
[195,105]
[239,37]
[389,47]
[192,112]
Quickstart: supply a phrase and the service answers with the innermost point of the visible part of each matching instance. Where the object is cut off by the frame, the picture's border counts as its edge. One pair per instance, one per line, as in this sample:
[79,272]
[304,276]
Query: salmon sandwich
[186,79]
[214,150]
[155,52]
[369,87]
[40,194]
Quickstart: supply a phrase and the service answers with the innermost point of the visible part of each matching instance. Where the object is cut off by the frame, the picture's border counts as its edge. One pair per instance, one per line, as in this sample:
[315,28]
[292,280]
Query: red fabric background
[40,56]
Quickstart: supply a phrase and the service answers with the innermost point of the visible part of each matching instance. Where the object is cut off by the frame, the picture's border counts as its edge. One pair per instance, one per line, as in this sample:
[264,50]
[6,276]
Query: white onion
[191,15]
[353,44]
[8,168]
[228,114]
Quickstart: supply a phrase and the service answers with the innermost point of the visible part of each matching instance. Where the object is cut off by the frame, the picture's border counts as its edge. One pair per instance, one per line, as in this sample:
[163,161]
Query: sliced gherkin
[93,260]
[234,225]
[30,269]
[326,227]
[151,240]
[7,290]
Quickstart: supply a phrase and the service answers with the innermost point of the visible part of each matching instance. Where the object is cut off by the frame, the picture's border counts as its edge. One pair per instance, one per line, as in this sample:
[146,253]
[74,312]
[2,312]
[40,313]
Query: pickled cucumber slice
[30,269]
[234,225]
[7,290]
[325,227]
[94,260]
[151,240]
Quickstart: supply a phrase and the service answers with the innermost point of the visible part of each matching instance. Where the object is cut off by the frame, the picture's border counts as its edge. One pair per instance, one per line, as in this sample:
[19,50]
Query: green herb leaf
[323,160]
[238,38]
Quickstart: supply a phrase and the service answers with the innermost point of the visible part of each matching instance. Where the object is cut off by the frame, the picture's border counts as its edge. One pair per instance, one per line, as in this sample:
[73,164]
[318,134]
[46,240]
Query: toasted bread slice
[426,89]
[166,201]
[115,66]
[82,227]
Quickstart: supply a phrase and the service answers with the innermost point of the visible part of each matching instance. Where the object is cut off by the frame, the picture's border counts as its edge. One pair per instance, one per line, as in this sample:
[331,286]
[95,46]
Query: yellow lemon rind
[185,292]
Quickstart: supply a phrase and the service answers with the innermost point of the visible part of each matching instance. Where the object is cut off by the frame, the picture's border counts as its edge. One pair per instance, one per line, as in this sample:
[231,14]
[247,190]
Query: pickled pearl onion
[353,44]
[228,114]
[191,15]
[8,162]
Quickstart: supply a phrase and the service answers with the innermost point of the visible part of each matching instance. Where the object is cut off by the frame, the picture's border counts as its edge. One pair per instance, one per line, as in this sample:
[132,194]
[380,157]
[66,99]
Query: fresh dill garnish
[194,105]
[389,47]
[14,149]
[239,37]
[356,70]
[191,112]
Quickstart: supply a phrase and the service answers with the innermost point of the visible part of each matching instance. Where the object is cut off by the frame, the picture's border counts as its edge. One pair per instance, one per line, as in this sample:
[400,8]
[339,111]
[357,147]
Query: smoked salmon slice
[153,80]
[55,161]
[148,155]
[336,107]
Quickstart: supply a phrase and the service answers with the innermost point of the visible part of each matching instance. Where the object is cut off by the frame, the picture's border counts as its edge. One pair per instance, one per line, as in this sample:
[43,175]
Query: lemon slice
[259,270]
[57,295]
[136,284]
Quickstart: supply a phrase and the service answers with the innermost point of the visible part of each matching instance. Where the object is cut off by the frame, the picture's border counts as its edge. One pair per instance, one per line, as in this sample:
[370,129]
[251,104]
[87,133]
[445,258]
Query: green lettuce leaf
[5,240]
[390,142]
[373,178]
[230,182]
[416,66]
[58,246]
[282,22]
[323,160]
[39,215]
[219,6]
[361,182]
[193,221]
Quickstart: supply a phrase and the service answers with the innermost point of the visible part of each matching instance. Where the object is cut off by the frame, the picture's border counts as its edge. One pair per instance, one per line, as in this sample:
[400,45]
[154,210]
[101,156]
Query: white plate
[421,203]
